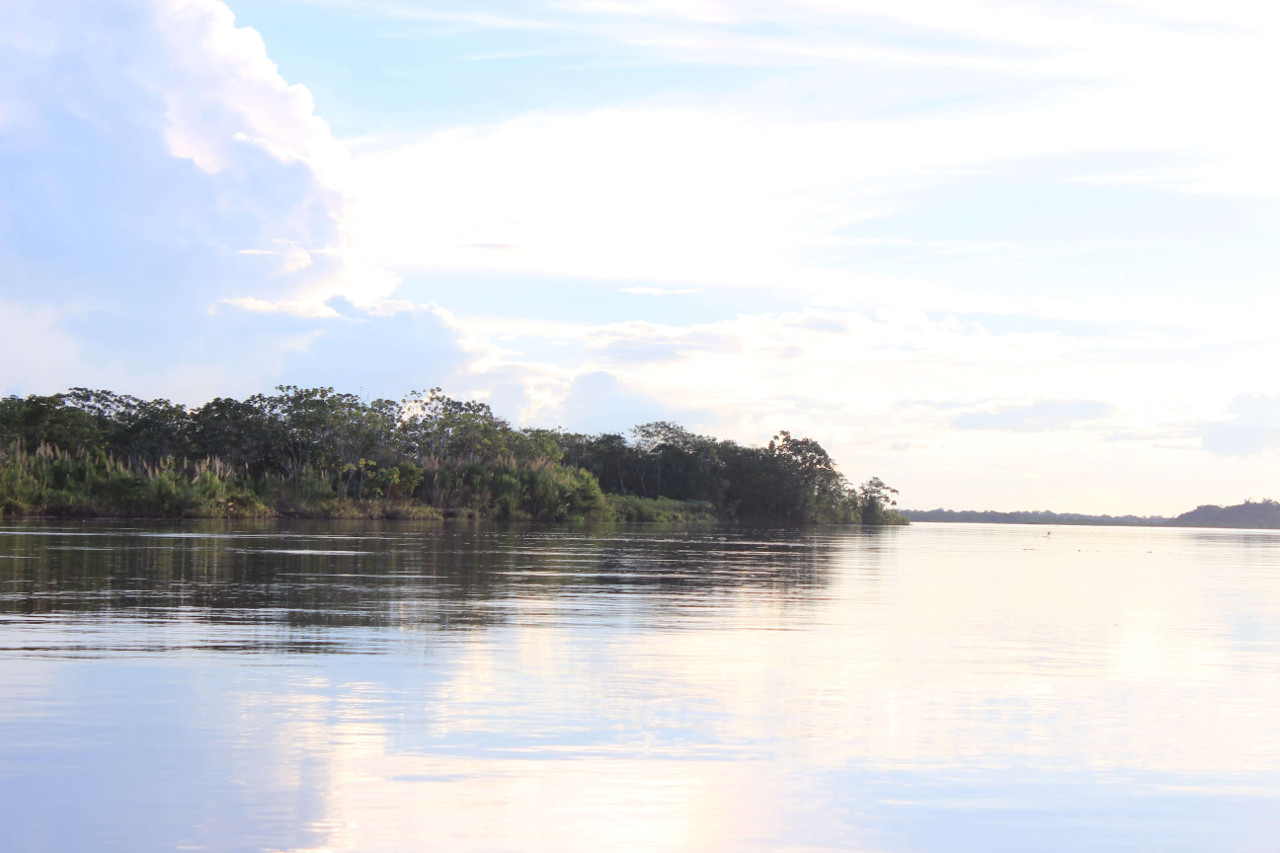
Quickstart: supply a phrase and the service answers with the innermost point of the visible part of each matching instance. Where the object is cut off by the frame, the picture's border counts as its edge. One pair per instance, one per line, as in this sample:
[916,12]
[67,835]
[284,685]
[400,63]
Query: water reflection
[307,575]
[394,688]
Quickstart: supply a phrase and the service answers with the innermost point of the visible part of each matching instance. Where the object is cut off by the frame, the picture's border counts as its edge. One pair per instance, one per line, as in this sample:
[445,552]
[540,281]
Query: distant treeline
[318,453]
[1258,514]
[1031,517]
[1264,514]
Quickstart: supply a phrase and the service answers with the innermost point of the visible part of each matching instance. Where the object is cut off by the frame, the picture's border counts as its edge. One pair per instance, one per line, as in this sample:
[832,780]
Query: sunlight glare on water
[395,687]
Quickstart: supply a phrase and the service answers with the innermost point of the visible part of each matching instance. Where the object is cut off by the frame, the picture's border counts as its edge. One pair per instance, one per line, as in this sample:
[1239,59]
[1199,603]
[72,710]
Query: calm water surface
[395,687]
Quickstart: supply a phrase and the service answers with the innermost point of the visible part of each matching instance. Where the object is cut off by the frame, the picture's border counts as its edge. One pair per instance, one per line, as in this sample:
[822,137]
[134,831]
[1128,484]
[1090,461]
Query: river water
[402,687]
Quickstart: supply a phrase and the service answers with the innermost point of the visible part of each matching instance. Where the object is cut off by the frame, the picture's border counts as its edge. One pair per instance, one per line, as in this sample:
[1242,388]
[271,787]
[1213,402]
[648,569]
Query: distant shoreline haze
[317,453]
[1264,514]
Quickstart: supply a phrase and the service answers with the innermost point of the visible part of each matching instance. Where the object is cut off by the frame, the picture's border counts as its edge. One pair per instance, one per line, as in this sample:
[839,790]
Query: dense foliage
[791,480]
[313,451]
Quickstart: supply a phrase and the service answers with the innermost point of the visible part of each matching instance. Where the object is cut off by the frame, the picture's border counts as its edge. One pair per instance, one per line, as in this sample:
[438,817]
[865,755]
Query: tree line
[970,516]
[1263,514]
[314,451]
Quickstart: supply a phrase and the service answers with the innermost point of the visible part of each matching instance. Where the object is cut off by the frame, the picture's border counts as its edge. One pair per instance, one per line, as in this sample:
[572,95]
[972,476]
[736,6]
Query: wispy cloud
[1039,416]
[660,291]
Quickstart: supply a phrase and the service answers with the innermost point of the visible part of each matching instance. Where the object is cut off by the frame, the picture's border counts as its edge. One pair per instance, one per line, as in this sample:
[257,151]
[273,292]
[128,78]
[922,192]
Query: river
[940,687]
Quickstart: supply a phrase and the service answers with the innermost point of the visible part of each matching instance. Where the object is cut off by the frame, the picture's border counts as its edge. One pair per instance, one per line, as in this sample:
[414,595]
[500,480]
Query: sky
[1003,255]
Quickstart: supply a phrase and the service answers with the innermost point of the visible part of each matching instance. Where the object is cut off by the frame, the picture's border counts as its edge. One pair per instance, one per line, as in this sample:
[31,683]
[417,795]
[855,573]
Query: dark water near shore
[398,687]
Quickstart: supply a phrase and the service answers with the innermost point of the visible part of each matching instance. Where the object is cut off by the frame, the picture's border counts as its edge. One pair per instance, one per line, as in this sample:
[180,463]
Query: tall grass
[51,481]
[55,482]
[635,508]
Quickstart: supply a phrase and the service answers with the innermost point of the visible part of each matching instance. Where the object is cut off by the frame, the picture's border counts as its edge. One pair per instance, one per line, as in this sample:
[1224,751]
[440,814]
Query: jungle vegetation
[314,452]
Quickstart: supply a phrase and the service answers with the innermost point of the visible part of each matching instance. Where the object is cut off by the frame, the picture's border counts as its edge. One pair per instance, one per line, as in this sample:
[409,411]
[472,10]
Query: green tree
[875,500]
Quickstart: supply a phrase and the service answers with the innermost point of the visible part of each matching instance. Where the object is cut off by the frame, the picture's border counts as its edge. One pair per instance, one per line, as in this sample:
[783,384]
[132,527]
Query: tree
[875,499]
[39,420]
[242,434]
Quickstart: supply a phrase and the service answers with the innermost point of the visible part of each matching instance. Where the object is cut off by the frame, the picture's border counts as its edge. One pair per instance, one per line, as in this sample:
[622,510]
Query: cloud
[1040,416]
[599,402]
[140,130]
[376,354]
[225,100]
[726,196]
[297,307]
[888,393]
[222,94]
[1253,426]
[37,354]
[838,372]
[161,176]
[660,291]
[750,191]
